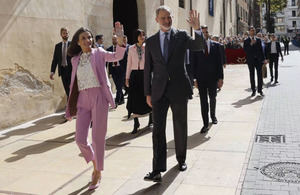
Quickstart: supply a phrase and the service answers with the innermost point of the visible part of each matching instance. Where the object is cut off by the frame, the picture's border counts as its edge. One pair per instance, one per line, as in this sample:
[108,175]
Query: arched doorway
[127,13]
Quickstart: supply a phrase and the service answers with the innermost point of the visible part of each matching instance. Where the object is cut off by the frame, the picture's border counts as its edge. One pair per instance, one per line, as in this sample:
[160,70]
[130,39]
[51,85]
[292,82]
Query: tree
[272,6]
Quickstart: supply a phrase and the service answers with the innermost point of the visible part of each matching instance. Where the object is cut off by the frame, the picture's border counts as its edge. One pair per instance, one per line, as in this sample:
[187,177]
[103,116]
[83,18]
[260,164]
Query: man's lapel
[157,45]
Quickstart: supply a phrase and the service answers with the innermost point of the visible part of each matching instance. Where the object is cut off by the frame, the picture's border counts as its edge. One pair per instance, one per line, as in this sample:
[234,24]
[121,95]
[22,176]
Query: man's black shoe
[276,82]
[214,120]
[253,94]
[182,166]
[204,129]
[261,93]
[153,176]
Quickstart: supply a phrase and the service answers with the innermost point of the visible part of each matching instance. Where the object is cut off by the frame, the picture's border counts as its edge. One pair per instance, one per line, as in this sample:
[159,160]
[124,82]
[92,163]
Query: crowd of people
[154,74]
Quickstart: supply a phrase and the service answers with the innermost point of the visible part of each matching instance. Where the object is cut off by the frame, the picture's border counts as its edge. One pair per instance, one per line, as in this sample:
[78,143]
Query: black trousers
[210,89]
[258,66]
[179,113]
[65,75]
[116,73]
[286,49]
[273,63]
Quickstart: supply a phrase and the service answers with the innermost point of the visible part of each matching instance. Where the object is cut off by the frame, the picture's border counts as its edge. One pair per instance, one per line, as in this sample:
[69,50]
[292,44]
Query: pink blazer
[133,60]
[99,57]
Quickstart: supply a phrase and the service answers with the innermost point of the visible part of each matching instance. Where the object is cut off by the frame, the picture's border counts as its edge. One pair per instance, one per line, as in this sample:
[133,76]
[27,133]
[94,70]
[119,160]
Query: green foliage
[276,5]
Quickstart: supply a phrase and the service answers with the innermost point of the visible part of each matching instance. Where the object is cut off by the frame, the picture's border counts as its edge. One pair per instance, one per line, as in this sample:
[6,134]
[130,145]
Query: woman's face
[85,40]
[141,38]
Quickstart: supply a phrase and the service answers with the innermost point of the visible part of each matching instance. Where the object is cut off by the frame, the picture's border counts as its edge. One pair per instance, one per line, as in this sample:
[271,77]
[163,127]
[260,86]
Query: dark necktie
[166,47]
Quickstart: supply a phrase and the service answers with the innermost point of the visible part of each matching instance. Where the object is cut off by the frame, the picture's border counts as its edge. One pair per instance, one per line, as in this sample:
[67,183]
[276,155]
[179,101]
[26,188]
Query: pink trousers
[92,106]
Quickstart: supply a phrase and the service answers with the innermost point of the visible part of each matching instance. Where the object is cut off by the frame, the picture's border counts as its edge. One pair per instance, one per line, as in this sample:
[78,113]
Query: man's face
[252,32]
[125,40]
[114,40]
[164,20]
[205,33]
[100,41]
[259,35]
[273,38]
[64,35]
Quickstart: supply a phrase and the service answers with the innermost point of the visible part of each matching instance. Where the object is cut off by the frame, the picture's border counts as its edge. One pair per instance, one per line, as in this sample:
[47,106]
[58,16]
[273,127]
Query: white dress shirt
[273,47]
[85,74]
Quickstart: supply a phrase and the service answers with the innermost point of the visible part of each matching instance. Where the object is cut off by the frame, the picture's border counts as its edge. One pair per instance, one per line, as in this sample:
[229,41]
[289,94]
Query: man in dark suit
[62,60]
[255,60]
[167,84]
[115,70]
[286,41]
[273,50]
[208,71]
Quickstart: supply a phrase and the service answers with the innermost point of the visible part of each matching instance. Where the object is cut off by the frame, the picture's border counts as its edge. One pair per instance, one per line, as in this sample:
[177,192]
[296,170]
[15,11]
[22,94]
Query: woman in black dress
[136,103]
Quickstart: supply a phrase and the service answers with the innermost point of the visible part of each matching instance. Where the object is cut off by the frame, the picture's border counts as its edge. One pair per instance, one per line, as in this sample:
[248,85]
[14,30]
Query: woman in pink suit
[90,95]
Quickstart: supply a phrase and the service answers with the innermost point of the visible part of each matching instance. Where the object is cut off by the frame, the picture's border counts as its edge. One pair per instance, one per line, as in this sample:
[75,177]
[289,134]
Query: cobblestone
[279,116]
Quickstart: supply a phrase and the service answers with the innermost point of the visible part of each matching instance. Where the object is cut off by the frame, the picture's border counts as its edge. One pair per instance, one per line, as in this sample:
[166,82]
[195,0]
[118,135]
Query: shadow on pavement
[40,125]
[192,142]
[160,188]
[86,192]
[41,147]
[122,139]
[246,101]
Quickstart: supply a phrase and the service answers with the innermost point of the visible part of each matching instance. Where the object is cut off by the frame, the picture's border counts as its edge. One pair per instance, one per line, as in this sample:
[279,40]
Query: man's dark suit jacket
[57,59]
[169,78]
[268,50]
[223,53]
[208,69]
[254,53]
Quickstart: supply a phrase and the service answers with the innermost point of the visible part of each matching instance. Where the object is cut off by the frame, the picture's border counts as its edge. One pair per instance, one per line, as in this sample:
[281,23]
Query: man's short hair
[63,29]
[252,27]
[204,26]
[164,8]
[97,37]
[216,37]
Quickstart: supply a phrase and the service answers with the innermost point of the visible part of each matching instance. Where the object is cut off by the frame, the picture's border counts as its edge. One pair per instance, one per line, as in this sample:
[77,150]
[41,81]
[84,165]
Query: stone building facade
[29,30]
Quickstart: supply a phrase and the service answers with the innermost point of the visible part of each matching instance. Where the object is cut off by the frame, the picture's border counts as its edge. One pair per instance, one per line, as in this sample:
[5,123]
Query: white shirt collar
[162,33]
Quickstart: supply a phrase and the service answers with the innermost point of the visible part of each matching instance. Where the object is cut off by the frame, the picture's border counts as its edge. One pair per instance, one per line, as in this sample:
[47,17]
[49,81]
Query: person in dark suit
[273,50]
[208,71]
[255,60]
[286,41]
[62,60]
[167,84]
[222,49]
[116,71]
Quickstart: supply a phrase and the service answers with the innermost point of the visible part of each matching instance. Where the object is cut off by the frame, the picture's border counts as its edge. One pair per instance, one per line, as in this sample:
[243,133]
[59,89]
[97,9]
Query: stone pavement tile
[80,186]
[216,169]
[201,189]
[37,182]
[231,137]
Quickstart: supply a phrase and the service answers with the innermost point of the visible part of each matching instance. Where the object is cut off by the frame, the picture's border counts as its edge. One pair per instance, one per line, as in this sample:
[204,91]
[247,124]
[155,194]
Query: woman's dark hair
[136,34]
[74,48]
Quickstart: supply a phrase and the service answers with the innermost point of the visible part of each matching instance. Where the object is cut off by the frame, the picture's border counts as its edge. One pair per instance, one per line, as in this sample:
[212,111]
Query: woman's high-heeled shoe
[93,187]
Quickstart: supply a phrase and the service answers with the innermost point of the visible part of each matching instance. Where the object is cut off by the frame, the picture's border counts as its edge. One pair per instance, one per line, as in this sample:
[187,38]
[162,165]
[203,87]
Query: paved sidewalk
[280,116]
[41,157]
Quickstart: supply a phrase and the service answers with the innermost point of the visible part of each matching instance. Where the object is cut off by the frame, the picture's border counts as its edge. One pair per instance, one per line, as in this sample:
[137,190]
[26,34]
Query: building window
[181,4]
[294,13]
[293,3]
[294,23]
